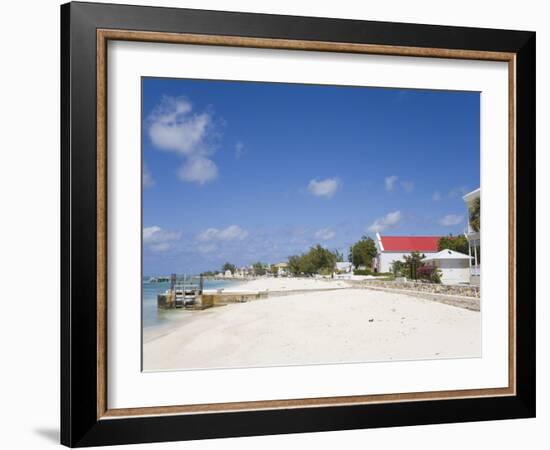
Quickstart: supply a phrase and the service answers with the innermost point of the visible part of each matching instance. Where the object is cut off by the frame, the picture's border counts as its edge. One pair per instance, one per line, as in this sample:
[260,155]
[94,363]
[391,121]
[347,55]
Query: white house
[454,266]
[243,272]
[343,267]
[282,269]
[474,239]
[395,248]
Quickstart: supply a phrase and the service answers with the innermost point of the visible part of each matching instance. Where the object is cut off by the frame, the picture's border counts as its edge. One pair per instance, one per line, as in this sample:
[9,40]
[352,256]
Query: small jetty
[189,293]
[182,293]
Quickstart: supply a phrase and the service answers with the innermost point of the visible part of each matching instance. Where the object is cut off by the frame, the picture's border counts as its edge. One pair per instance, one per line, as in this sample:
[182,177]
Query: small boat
[159,279]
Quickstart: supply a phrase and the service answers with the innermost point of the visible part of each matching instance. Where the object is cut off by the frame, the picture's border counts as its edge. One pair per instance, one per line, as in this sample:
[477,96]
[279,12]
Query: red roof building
[410,243]
[395,248]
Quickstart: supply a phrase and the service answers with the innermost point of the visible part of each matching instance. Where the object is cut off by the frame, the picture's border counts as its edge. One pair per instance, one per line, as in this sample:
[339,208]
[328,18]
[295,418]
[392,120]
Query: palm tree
[475,214]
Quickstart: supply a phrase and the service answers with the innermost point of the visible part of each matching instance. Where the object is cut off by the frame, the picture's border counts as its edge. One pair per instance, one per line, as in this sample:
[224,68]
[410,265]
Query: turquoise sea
[152,316]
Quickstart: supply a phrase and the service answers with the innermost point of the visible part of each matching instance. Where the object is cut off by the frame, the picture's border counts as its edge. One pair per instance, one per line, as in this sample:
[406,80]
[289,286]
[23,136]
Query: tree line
[320,260]
[316,260]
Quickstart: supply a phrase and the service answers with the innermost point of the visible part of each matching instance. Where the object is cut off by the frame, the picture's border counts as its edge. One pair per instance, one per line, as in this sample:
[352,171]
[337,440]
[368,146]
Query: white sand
[286,284]
[348,325]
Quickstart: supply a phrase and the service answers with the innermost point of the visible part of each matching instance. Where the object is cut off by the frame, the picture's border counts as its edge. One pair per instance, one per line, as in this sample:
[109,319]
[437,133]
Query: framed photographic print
[277,224]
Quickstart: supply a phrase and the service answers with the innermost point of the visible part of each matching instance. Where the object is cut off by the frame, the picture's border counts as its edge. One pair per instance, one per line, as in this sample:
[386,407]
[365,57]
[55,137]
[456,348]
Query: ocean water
[152,316]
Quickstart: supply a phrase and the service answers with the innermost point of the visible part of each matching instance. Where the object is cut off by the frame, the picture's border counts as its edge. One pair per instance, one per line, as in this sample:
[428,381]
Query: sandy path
[312,328]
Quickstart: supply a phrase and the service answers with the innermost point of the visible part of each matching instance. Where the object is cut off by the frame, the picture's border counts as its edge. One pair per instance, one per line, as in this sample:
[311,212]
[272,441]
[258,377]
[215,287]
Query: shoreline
[262,284]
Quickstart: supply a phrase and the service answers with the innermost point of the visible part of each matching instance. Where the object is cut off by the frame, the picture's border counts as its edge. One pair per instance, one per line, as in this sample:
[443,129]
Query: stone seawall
[429,288]
[226,297]
[460,296]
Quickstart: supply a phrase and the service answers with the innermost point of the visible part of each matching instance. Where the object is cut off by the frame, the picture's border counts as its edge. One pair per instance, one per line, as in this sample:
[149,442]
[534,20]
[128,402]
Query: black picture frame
[80,425]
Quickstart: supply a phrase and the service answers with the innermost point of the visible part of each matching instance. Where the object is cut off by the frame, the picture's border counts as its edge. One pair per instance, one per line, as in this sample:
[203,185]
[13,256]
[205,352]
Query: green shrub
[436,276]
[399,268]
[429,273]
[362,272]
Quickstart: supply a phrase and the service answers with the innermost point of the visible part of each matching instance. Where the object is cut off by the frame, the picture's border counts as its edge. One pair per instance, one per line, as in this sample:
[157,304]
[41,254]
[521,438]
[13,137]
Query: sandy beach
[287,284]
[341,324]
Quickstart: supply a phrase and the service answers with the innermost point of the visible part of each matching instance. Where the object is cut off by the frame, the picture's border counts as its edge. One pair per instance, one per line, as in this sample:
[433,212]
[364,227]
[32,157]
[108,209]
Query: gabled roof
[471,196]
[446,254]
[409,243]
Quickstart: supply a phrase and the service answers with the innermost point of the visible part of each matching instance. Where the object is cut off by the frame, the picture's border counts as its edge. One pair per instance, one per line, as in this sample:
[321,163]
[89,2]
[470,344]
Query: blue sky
[242,171]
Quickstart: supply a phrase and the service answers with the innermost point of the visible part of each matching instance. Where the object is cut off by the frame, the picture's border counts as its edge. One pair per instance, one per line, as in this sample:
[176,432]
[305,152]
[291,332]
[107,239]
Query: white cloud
[324,188]
[408,186]
[160,247]
[198,170]
[158,239]
[239,150]
[207,248]
[147,178]
[325,234]
[436,196]
[451,220]
[173,127]
[231,233]
[389,220]
[389,182]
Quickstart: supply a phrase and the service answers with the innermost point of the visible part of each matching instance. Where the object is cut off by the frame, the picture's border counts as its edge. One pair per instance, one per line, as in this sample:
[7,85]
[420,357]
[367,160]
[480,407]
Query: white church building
[395,248]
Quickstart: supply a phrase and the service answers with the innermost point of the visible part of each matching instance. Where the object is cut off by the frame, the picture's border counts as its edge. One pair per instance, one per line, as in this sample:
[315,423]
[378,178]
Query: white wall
[454,271]
[29,173]
[387,258]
